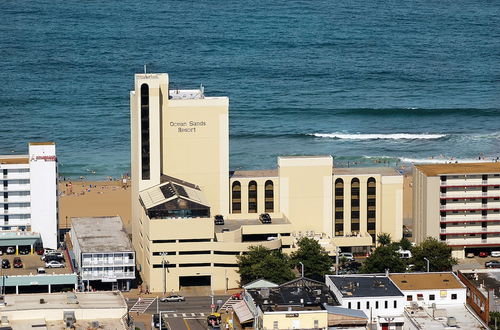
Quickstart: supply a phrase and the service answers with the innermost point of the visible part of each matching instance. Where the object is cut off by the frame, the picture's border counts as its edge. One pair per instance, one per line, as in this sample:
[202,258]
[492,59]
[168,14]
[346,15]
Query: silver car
[172,298]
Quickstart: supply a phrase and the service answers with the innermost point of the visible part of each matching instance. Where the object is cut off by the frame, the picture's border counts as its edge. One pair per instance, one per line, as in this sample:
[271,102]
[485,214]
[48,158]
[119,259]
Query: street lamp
[302,268]
[163,262]
[428,264]
[337,251]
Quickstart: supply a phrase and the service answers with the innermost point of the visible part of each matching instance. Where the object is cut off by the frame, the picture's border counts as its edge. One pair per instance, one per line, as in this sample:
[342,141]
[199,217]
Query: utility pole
[428,264]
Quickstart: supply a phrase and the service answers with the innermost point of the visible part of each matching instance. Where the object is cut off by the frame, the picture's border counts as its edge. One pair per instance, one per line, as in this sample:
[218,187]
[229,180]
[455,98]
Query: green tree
[384,239]
[494,316]
[261,262]
[384,257]
[405,244]
[438,253]
[316,261]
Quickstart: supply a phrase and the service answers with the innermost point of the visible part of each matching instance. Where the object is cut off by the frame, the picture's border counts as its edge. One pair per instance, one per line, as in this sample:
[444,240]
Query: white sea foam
[396,136]
[439,160]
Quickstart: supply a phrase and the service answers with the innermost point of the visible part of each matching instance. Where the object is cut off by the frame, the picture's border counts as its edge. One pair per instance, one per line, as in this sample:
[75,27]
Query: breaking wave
[395,136]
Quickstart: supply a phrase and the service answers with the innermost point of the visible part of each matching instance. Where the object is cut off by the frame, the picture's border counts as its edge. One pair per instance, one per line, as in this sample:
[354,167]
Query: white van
[405,254]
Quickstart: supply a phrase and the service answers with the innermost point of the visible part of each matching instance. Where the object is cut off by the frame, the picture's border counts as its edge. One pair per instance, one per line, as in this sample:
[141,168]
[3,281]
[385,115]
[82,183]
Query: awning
[242,311]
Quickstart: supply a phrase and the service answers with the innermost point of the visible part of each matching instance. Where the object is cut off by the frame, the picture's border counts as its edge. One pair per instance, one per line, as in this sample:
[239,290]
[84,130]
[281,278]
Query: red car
[237,296]
[483,254]
[18,263]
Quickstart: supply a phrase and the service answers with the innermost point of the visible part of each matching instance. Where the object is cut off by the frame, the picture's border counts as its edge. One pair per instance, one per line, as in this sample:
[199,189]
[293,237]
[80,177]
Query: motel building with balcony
[181,179]
[103,253]
[459,204]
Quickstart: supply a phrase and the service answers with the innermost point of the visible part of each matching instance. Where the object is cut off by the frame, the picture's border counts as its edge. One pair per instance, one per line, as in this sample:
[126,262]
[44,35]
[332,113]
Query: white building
[28,209]
[376,296]
[103,251]
[431,288]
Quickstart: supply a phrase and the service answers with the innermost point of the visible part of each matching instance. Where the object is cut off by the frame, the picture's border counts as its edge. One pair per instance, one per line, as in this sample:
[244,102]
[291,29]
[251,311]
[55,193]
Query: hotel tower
[181,180]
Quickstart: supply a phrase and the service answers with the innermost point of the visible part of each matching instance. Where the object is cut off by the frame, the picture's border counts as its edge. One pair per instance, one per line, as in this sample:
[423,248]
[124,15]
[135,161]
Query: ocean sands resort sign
[44,158]
[187,126]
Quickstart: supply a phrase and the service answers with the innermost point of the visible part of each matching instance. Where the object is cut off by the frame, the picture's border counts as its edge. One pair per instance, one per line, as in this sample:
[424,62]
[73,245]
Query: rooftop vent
[451,321]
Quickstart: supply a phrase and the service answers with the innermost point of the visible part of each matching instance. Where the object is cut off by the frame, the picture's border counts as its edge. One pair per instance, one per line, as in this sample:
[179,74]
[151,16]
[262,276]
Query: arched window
[355,206]
[236,197]
[269,196]
[339,207]
[252,197]
[371,201]
[145,148]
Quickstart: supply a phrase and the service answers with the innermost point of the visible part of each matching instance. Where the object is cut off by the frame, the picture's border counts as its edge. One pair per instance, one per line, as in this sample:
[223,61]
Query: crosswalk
[183,315]
[142,305]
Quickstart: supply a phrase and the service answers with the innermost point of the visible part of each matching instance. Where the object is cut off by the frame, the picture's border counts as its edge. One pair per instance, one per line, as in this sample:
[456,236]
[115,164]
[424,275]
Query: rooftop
[64,300]
[426,281]
[366,170]
[422,317]
[101,234]
[254,173]
[14,159]
[233,224]
[42,143]
[365,286]
[186,94]
[460,168]
[299,294]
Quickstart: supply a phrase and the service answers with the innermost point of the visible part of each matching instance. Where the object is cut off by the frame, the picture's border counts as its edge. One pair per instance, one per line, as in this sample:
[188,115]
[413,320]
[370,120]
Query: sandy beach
[93,198]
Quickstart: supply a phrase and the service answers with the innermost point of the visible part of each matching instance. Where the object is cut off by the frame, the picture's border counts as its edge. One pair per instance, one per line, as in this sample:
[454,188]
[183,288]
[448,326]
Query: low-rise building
[430,288]
[299,304]
[483,290]
[107,310]
[28,198]
[377,296]
[103,252]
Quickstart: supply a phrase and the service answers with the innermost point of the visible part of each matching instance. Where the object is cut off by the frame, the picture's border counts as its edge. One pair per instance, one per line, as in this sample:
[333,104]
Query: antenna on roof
[145,68]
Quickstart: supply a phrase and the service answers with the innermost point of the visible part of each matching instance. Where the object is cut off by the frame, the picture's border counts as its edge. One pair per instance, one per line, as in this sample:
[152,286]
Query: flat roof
[423,318]
[485,279]
[233,224]
[426,281]
[101,234]
[42,143]
[366,170]
[365,286]
[64,300]
[460,168]
[254,173]
[14,159]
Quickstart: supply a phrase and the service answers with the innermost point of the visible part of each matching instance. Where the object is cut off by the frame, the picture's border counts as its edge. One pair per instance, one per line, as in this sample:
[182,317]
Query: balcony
[107,262]
[469,194]
[107,276]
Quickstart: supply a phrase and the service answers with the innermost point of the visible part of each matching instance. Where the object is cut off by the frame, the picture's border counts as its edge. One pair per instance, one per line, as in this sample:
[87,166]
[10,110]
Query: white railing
[107,275]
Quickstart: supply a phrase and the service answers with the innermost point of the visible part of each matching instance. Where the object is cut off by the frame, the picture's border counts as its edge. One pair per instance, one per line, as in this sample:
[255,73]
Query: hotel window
[376,304]
[367,305]
[269,196]
[355,205]
[145,147]
[349,305]
[386,304]
[236,197]
[432,297]
[252,197]
[359,305]
[409,298]
[275,325]
[339,207]
[371,202]
[395,304]
[453,296]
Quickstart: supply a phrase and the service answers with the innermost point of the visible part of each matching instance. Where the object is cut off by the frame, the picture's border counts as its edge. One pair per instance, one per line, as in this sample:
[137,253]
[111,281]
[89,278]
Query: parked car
[347,255]
[54,264]
[483,254]
[237,296]
[10,250]
[470,255]
[50,257]
[5,263]
[40,270]
[219,219]
[172,298]
[18,263]
[155,323]
[24,251]
[492,264]
[39,251]
[495,254]
[265,218]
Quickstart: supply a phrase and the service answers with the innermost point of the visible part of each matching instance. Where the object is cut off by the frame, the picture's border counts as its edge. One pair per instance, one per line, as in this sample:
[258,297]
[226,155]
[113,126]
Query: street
[189,314]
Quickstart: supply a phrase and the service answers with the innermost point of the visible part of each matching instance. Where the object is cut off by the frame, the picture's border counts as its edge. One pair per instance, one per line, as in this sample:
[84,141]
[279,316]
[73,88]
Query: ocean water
[368,82]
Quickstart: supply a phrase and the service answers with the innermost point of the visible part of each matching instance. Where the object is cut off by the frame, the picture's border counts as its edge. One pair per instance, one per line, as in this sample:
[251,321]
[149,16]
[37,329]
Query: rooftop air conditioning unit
[451,321]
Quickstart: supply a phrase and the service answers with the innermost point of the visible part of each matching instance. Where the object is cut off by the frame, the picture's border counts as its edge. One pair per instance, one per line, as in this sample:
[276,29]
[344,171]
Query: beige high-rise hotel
[181,180]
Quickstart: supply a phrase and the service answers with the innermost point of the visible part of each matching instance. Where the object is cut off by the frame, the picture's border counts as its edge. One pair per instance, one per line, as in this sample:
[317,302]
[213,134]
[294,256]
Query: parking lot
[31,263]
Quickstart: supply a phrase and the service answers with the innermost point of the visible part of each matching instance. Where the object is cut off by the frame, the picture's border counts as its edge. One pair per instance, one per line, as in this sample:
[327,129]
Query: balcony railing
[106,275]
[107,262]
